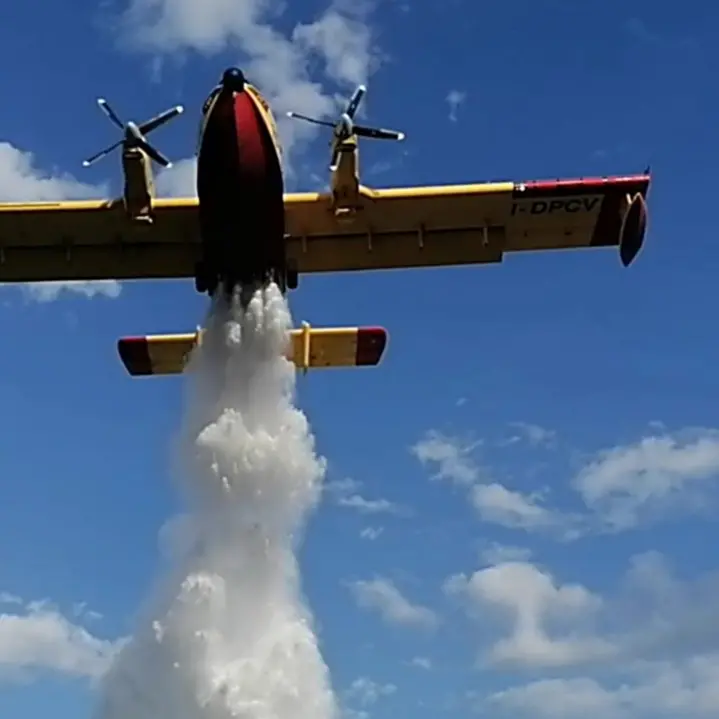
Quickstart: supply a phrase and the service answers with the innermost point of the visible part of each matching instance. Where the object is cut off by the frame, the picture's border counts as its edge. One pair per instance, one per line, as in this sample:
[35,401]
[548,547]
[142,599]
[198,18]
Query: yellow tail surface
[310,348]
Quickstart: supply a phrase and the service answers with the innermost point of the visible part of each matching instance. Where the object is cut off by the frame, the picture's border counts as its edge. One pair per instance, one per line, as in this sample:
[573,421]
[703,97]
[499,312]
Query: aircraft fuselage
[240,189]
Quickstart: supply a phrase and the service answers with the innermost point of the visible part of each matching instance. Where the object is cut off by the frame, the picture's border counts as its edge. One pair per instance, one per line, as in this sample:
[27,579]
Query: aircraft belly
[239,183]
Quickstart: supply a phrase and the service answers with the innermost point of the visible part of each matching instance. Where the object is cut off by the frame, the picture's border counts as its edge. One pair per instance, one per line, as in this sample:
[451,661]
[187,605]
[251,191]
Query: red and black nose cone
[235,144]
[233,80]
[238,158]
[240,186]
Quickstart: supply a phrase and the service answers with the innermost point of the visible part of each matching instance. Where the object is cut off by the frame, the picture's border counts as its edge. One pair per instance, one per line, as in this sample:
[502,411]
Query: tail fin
[310,348]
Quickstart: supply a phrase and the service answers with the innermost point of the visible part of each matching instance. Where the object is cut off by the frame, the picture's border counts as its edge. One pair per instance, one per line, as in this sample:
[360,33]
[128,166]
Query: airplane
[243,229]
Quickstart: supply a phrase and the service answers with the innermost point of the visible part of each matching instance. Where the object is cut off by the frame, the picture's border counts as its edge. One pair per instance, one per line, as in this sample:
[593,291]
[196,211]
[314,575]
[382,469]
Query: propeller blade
[298,116]
[161,119]
[355,101]
[156,155]
[105,107]
[378,133]
[102,153]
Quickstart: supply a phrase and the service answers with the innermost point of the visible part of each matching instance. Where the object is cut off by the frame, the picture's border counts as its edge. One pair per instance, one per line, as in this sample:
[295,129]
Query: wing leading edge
[391,228]
[310,348]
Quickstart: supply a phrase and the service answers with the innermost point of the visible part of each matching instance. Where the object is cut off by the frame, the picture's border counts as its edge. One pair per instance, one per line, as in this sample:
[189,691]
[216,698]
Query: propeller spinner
[344,128]
[134,135]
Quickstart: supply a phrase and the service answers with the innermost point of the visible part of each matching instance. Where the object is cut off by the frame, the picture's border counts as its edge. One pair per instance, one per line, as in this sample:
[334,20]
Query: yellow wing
[309,348]
[391,228]
[463,224]
[94,240]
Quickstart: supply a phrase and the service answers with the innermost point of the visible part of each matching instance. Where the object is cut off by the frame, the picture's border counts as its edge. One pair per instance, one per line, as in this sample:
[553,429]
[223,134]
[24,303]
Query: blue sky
[520,507]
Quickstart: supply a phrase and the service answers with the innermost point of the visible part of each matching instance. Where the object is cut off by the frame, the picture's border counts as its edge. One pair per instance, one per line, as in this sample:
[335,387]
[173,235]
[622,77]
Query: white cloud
[7,598]
[422,663]
[497,553]
[80,610]
[367,506]
[682,690]
[559,699]
[451,456]
[344,486]
[21,180]
[383,596]
[532,434]
[345,493]
[367,692]
[628,484]
[495,503]
[343,39]
[662,616]
[660,476]
[657,634]
[371,533]
[454,99]
[533,603]
[40,638]
[50,291]
[180,180]
[277,61]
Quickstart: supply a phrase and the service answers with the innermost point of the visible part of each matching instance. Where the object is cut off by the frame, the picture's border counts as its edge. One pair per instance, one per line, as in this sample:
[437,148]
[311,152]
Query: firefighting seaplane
[243,230]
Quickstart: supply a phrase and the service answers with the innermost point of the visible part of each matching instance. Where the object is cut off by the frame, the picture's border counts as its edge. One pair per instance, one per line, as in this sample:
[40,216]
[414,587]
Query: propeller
[134,135]
[344,127]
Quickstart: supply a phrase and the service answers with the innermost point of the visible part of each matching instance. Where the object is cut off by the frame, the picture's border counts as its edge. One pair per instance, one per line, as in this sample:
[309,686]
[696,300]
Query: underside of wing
[565,214]
[389,228]
[95,240]
[310,348]
[465,224]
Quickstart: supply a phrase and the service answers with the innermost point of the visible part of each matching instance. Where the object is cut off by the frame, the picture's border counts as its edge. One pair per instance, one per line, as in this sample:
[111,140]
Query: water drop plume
[227,633]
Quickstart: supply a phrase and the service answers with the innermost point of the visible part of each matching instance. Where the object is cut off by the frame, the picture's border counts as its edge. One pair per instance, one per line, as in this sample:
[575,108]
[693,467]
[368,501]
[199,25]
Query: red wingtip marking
[586,183]
[135,355]
[371,343]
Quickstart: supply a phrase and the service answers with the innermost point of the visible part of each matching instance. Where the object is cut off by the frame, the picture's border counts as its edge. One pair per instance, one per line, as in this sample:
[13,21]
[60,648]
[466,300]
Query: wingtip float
[243,229]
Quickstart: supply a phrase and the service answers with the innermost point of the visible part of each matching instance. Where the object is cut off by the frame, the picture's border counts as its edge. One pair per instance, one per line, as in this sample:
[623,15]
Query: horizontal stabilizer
[310,348]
